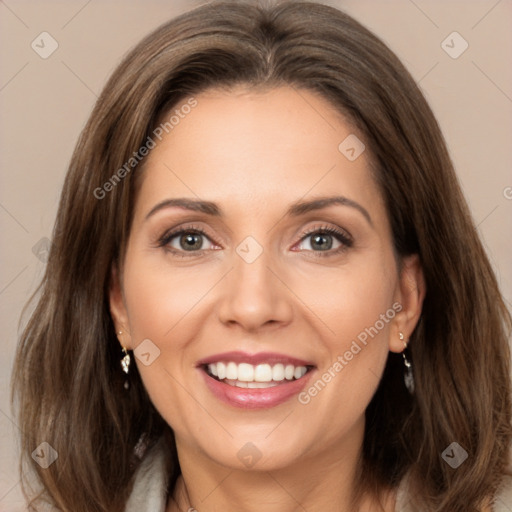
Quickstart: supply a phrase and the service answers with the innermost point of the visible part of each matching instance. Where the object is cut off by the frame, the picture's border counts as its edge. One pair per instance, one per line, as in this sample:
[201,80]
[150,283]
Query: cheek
[365,309]
[161,305]
[352,299]
[159,298]
[357,307]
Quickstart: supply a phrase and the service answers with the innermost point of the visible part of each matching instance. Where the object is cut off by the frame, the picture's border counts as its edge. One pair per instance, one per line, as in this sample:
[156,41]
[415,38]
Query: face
[261,314]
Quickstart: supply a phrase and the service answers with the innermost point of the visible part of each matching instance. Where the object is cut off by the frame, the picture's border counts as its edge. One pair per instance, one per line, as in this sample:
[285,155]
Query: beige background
[45,103]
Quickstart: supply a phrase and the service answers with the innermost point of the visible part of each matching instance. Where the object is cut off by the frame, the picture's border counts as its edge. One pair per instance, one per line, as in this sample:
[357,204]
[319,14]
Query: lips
[254,359]
[254,381]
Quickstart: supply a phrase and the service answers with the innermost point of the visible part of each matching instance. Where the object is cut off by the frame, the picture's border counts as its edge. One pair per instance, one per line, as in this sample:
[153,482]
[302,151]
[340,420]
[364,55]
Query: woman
[265,290]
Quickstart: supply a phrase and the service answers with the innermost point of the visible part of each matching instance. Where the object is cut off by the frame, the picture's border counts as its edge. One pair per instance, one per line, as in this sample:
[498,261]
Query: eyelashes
[195,233]
[165,240]
[327,231]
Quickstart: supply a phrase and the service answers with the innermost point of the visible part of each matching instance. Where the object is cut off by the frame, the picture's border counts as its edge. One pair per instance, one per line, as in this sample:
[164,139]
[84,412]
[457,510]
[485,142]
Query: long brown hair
[67,382]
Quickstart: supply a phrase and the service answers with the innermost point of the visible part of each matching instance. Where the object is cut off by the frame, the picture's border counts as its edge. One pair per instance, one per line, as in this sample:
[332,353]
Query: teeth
[212,368]
[263,373]
[247,375]
[254,385]
[221,371]
[299,372]
[278,372]
[231,371]
[245,372]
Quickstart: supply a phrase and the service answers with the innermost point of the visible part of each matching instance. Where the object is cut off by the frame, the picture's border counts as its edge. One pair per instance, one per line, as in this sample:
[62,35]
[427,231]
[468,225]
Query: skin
[254,153]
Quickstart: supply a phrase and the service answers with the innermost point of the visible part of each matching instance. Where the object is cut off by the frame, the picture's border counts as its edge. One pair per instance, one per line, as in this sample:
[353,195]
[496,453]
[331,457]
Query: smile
[254,382]
[246,375]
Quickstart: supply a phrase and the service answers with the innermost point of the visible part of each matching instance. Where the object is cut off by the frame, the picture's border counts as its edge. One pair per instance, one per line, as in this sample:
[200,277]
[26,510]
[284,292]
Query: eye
[326,240]
[190,239]
[321,241]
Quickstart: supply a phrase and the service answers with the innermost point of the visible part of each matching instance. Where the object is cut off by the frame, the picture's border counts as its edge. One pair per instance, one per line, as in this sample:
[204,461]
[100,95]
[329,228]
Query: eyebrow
[296,209]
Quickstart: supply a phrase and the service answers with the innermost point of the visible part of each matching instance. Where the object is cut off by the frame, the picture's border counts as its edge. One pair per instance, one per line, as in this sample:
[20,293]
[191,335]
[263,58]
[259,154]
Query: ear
[118,309]
[410,294]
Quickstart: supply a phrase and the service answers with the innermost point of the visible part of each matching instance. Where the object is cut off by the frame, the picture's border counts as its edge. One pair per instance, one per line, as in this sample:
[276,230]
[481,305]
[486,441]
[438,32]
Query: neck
[318,482]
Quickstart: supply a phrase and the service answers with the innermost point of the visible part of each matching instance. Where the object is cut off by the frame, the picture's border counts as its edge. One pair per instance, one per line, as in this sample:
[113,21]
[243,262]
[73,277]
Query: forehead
[257,147]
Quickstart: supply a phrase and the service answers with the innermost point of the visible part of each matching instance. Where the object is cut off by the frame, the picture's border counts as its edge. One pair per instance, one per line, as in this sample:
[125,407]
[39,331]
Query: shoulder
[502,502]
[149,491]
[503,499]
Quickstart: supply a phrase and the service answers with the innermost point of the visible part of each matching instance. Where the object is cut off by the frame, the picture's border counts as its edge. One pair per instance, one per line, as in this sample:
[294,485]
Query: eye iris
[323,242]
[191,241]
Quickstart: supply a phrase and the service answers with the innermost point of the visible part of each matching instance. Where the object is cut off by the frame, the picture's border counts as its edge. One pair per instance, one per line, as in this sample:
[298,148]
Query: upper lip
[254,359]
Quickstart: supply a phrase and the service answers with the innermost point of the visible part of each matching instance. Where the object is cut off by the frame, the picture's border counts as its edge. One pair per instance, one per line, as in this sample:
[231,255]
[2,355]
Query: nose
[255,296]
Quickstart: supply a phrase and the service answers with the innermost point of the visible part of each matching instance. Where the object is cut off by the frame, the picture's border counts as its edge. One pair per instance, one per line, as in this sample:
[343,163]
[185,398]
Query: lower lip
[255,398]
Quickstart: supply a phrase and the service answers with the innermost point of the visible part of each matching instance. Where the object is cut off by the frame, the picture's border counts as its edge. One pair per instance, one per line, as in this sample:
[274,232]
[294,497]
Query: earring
[125,364]
[408,376]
